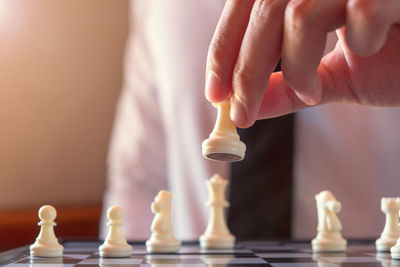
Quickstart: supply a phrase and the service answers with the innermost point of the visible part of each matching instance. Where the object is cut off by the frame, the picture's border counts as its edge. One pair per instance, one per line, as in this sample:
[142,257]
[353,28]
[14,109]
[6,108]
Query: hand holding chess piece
[391,231]
[46,244]
[224,143]
[115,244]
[217,234]
[162,238]
[328,238]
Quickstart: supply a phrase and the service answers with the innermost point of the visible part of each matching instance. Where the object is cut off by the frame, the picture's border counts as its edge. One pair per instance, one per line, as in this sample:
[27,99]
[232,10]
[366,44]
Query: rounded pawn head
[115,213]
[47,213]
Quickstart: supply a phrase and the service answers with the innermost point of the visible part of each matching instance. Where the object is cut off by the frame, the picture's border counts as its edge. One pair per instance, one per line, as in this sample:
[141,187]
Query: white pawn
[328,238]
[162,232]
[46,244]
[217,234]
[224,143]
[115,244]
[391,231]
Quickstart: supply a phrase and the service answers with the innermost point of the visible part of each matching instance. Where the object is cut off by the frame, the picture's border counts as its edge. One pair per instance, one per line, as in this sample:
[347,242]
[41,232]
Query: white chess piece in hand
[329,226]
[162,238]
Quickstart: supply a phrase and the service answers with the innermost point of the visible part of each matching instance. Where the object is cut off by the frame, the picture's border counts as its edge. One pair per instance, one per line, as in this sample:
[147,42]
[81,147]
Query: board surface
[299,254]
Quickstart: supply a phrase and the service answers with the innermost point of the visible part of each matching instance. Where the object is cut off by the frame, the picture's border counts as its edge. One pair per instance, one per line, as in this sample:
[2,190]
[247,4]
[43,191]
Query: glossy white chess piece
[391,232]
[115,244]
[224,143]
[329,226]
[46,244]
[395,250]
[217,234]
[162,233]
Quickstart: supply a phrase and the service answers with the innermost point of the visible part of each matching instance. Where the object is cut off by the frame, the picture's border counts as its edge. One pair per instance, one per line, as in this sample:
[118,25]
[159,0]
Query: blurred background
[60,75]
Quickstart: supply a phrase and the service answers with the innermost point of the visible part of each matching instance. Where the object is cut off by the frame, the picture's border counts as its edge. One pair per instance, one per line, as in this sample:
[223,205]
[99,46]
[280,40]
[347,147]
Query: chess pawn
[217,234]
[46,244]
[328,238]
[224,143]
[162,237]
[391,232]
[115,245]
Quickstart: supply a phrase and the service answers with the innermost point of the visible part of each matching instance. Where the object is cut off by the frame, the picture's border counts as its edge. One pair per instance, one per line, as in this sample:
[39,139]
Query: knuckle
[365,10]
[264,9]
[300,14]
[243,78]
[217,53]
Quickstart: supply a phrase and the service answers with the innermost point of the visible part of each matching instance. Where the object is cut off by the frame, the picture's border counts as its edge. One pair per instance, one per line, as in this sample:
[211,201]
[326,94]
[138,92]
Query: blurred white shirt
[163,117]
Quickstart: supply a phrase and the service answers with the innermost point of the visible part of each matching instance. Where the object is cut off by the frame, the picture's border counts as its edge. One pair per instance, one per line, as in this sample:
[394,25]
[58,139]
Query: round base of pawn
[217,241]
[328,245]
[223,149]
[114,251]
[395,252]
[384,244]
[48,251]
[163,246]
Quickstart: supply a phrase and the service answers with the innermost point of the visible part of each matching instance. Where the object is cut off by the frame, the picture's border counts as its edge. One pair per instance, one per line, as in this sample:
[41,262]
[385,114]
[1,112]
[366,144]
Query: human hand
[252,35]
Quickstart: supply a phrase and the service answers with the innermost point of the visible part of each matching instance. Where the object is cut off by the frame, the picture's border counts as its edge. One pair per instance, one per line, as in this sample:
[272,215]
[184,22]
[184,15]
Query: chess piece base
[52,250]
[328,244]
[223,149]
[115,251]
[217,241]
[163,246]
[383,244]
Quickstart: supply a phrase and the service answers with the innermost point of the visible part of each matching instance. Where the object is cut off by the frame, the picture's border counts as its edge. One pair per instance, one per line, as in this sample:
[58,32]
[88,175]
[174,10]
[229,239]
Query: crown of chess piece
[115,245]
[224,143]
[329,238]
[217,234]
[46,244]
[162,237]
[391,232]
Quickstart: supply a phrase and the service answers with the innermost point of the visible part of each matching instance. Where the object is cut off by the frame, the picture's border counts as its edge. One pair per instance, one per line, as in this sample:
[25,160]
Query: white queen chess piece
[224,143]
[391,232]
[328,238]
[217,234]
[115,244]
[162,233]
[46,244]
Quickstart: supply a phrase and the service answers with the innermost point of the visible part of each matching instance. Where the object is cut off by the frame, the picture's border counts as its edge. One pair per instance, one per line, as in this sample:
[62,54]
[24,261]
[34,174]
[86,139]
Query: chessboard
[271,253]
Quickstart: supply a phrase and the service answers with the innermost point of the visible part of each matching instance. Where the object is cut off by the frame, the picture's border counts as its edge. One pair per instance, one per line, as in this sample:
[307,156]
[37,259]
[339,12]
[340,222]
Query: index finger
[224,48]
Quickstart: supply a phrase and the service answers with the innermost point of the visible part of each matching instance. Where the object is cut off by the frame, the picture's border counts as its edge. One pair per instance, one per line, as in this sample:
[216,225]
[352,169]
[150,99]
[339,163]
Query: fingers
[224,48]
[280,99]
[368,23]
[257,59]
[306,25]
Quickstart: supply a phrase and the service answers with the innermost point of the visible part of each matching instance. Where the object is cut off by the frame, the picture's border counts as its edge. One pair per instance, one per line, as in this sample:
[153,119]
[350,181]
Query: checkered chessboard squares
[252,254]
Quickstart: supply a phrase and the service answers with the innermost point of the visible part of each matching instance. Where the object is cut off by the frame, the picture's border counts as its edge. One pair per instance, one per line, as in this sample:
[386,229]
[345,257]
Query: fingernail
[314,95]
[238,112]
[214,89]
